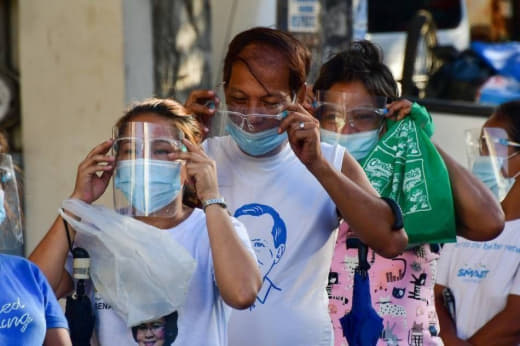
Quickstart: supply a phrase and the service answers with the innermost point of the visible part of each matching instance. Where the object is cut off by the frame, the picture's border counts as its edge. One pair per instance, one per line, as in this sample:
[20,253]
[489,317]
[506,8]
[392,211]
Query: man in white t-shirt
[273,157]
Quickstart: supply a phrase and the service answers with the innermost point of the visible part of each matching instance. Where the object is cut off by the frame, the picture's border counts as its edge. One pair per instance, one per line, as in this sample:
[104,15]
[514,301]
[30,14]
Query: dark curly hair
[296,54]
[510,112]
[362,61]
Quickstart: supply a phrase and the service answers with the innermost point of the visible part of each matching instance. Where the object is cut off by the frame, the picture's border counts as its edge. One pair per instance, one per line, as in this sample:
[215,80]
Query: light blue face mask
[483,170]
[3,214]
[149,185]
[359,145]
[256,144]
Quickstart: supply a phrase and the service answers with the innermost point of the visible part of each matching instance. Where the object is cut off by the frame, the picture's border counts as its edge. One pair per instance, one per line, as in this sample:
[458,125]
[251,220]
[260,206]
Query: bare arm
[57,337]
[50,256]
[471,197]
[448,331]
[51,253]
[503,328]
[361,207]
[355,198]
[236,272]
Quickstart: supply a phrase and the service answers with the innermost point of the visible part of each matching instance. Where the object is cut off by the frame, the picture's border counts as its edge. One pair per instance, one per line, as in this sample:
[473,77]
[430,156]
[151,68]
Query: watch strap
[220,201]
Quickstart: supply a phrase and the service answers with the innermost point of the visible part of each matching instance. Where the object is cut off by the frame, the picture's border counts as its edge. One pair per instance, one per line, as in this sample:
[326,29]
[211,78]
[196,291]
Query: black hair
[510,112]
[362,61]
[170,328]
[297,55]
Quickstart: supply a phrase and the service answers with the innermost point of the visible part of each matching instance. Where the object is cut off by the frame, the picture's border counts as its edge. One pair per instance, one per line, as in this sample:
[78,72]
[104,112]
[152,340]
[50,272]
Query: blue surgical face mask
[483,170]
[258,143]
[359,145]
[149,185]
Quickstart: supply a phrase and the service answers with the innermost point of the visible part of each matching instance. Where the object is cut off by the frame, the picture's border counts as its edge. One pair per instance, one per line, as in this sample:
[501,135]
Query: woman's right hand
[89,185]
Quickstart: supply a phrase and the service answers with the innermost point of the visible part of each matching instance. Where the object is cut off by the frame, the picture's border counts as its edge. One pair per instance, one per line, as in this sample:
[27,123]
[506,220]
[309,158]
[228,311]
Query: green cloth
[406,166]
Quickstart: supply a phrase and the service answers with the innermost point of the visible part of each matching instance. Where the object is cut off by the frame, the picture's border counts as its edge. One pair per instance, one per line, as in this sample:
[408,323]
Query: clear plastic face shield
[239,111]
[351,120]
[253,122]
[489,151]
[11,233]
[146,181]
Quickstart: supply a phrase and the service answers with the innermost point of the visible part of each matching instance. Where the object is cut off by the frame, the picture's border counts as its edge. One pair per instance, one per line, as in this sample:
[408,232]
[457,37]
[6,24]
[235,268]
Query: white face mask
[359,145]
[498,184]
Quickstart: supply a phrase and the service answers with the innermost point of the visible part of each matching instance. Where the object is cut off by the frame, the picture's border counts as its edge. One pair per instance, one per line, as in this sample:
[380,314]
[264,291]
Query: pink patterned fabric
[401,289]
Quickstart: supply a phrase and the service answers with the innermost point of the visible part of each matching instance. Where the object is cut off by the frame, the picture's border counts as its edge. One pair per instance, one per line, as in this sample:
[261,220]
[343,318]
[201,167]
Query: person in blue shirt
[29,311]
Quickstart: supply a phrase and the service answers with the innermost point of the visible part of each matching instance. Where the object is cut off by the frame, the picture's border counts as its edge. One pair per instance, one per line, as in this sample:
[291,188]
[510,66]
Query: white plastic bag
[137,268]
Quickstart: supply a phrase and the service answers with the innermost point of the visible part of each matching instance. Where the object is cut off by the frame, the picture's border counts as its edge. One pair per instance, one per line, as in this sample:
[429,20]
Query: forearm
[50,256]
[503,328]
[448,332]
[57,337]
[236,271]
[361,207]
[471,197]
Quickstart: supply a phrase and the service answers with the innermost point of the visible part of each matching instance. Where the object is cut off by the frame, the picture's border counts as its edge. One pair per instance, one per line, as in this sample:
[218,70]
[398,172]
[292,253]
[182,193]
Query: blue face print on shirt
[268,236]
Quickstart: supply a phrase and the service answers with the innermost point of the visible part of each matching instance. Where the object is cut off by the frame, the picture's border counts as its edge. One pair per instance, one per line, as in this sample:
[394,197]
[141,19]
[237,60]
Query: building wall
[72,91]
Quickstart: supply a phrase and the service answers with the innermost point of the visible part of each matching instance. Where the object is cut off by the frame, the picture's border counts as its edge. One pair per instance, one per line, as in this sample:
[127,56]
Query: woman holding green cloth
[439,198]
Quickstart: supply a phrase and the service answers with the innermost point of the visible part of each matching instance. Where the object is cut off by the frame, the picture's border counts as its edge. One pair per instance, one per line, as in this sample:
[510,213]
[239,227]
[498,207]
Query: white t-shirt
[481,276]
[291,220]
[204,317]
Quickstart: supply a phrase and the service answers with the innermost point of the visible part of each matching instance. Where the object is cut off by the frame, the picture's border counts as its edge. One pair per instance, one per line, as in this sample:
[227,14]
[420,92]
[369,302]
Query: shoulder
[215,143]
[19,269]
[17,264]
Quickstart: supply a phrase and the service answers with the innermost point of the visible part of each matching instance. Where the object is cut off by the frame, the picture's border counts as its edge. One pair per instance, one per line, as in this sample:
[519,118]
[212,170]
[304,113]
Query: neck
[510,204]
[169,221]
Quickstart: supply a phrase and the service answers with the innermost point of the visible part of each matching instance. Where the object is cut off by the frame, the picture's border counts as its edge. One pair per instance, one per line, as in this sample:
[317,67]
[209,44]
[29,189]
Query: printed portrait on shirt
[268,236]
[159,332]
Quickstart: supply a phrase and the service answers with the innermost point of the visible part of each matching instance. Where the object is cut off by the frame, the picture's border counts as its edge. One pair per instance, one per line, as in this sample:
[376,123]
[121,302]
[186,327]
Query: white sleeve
[443,266]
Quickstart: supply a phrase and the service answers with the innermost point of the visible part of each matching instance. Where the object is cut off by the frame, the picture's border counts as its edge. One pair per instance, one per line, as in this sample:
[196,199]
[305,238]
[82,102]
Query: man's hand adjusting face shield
[146,181]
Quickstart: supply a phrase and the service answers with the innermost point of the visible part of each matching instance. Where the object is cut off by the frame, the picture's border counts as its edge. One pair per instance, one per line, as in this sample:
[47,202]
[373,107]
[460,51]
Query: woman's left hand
[303,131]
[398,110]
[200,169]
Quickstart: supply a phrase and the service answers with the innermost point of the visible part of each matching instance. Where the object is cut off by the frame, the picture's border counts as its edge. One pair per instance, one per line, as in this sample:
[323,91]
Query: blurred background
[68,69]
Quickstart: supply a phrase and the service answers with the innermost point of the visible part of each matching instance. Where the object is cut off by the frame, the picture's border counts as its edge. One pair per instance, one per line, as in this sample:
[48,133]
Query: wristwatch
[396,210]
[220,201]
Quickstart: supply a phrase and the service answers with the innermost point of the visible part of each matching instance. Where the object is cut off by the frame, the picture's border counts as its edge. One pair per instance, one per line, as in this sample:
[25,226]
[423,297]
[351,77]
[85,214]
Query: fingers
[102,160]
[297,114]
[202,103]
[399,109]
[202,111]
[102,148]
[194,153]
[197,96]
[296,129]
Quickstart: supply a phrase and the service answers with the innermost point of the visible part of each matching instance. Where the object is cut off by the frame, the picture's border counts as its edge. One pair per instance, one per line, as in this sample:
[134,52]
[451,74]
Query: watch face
[5,98]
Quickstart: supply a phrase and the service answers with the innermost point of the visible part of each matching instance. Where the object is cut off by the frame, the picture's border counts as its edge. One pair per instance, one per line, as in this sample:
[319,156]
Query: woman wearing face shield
[29,311]
[353,91]
[150,165]
[484,277]
[287,188]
